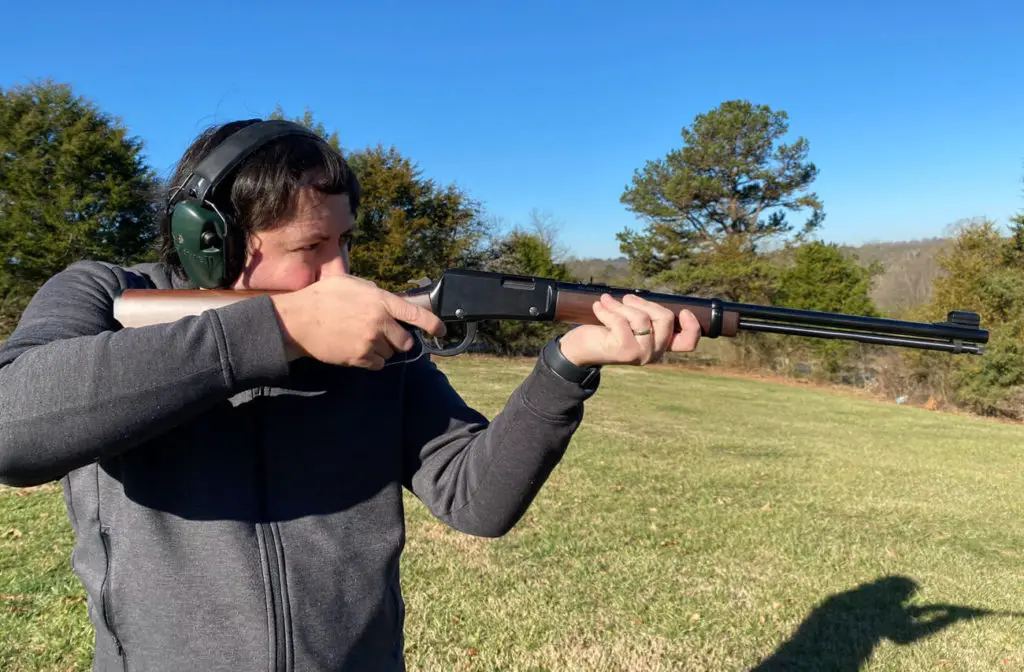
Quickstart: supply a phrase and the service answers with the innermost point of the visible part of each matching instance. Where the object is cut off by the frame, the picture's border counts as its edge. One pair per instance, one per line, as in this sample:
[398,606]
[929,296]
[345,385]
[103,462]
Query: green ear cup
[198,232]
[199,238]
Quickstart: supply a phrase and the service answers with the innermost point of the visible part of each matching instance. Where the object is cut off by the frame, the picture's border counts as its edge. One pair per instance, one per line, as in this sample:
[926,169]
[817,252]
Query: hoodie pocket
[106,603]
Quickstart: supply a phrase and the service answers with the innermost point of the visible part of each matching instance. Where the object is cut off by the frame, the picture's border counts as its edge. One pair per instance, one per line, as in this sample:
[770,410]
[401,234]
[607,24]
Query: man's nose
[336,265]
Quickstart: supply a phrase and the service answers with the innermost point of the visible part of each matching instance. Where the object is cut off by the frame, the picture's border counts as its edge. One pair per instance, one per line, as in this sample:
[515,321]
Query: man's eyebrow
[320,236]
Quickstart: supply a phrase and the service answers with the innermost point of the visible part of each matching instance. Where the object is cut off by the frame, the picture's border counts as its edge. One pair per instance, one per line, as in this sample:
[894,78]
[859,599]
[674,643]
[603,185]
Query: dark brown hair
[263,190]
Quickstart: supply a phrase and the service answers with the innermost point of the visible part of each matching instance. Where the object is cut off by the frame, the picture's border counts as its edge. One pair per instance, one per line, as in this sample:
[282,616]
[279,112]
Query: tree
[546,227]
[1015,250]
[307,119]
[712,204]
[408,226]
[823,278]
[73,186]
[981,273]
[524,252]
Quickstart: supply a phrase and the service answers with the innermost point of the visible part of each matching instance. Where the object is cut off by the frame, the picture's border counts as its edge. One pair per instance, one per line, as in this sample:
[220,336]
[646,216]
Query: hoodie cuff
[253,347]
[552,395]
[585,376]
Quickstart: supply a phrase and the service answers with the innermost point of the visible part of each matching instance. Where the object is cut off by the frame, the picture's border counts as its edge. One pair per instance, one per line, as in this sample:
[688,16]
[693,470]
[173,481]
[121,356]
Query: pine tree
[73,186]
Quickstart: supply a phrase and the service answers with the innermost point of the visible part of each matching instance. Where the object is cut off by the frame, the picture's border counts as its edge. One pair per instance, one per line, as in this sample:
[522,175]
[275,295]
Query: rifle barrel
[857,322]
[955,345]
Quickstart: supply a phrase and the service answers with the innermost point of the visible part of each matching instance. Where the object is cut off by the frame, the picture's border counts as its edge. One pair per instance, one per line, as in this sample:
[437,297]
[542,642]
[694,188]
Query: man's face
[300,251]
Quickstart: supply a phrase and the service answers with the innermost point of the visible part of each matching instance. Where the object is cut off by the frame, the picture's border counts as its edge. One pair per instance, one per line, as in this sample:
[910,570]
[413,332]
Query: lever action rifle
[465,297]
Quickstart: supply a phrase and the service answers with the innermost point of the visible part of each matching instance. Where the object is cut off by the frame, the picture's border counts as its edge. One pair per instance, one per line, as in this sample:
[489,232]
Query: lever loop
[441,351]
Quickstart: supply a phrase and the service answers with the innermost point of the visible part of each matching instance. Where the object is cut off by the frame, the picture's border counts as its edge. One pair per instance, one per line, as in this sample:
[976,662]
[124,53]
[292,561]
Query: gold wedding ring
[645,332]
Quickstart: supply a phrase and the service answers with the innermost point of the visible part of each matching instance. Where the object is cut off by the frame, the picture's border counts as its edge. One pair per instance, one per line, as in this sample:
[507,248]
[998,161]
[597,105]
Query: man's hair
[263,190]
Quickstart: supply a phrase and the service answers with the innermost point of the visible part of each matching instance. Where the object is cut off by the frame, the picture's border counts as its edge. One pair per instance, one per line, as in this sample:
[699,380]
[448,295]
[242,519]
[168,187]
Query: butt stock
[466,297]
[135,308]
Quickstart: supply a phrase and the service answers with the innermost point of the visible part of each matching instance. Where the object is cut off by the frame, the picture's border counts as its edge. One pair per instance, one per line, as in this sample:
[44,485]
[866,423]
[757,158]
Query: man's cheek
[298,276]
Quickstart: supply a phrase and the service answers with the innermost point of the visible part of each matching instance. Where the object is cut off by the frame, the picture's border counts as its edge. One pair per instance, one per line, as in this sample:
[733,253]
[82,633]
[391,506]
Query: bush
[982,272]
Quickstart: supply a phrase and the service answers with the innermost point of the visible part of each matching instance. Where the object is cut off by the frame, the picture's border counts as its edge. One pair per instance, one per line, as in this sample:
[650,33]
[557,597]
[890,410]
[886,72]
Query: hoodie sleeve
[75,387]
[480,477]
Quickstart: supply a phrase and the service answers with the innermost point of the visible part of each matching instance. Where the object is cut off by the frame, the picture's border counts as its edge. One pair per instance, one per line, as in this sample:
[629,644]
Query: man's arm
[75,388]
[481,477]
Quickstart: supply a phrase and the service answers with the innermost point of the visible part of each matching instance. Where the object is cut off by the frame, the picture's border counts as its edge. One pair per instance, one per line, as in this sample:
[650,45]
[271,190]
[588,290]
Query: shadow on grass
[842,632]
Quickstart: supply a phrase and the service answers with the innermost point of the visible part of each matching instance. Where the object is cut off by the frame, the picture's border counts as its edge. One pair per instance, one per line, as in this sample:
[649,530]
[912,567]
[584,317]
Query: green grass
[697,523]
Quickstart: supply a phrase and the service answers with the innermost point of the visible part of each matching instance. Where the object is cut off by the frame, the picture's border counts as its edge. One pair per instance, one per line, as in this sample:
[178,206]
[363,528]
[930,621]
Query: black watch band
[582,376]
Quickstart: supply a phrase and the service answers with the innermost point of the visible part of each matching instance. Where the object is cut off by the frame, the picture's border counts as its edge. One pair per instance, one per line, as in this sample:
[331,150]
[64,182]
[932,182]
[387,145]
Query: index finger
[414,311]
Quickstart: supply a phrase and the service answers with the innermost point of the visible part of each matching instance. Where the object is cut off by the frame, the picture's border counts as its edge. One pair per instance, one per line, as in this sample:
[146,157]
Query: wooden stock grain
[577,308]
[145,307]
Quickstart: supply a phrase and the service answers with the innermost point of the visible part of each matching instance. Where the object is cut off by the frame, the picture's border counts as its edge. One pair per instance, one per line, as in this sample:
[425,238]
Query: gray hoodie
[233,511]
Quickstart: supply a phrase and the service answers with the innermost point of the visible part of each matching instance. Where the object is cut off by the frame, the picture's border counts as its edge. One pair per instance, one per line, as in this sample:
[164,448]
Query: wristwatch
[584,376]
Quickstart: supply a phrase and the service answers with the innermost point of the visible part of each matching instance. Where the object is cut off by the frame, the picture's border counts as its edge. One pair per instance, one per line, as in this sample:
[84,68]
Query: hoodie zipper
[271,554]
[108,619]
[275,607]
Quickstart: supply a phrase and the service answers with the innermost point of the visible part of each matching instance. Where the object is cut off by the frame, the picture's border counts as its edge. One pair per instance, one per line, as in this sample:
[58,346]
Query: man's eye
[310,248]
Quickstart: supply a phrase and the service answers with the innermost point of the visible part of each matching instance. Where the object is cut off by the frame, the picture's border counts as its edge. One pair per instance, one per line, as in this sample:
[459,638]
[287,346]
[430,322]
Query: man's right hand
[349,321]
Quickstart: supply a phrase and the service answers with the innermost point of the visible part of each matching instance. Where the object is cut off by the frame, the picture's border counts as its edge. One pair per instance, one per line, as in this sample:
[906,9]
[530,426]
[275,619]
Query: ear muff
[199,235]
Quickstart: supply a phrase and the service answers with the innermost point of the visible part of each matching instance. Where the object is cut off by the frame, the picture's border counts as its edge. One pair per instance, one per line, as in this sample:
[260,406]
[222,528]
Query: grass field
[697,523]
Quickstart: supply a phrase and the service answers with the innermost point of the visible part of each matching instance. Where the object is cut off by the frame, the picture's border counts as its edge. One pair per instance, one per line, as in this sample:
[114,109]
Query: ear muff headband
[199,232]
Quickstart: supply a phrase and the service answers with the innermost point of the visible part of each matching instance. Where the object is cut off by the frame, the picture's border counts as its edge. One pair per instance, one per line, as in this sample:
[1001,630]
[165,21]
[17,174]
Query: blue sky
[914,110]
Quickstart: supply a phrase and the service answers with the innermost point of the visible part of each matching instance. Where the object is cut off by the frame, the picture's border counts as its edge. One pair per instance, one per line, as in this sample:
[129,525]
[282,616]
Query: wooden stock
[577,308]
[145,307]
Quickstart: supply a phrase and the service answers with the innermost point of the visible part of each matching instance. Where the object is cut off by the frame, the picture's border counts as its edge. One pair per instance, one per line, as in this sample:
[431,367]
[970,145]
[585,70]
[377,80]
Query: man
[234,479]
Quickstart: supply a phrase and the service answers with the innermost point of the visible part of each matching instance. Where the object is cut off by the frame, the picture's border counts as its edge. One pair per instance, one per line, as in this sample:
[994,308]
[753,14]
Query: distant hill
[910,268]
[601,271]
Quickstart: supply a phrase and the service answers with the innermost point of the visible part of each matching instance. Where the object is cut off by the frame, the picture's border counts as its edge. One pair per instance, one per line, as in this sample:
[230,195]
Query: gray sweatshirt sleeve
[75,387]
[480,477]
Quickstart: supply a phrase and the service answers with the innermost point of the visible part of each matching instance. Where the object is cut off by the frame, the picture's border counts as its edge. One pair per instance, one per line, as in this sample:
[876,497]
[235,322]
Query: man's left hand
[635,332]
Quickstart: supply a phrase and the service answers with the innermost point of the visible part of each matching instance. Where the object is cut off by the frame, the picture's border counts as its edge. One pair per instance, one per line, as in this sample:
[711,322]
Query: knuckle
[404,311]
[378,313]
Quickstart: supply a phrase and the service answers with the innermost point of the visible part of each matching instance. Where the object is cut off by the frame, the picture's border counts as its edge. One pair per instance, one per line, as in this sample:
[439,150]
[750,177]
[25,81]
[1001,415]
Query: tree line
[729,213]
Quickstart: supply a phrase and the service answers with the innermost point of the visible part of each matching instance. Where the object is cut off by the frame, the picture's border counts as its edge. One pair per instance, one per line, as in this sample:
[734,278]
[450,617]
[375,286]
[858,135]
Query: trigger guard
[467,341]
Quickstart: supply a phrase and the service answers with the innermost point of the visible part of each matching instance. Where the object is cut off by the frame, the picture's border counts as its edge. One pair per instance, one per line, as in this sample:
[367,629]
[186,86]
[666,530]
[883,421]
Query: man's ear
[248,261]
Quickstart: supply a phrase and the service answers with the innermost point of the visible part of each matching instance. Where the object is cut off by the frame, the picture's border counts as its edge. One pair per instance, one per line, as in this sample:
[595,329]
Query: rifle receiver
[463,295]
